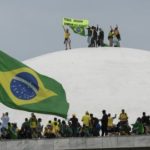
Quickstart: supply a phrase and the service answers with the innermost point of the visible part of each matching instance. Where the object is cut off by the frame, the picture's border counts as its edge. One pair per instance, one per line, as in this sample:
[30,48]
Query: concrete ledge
[116,142]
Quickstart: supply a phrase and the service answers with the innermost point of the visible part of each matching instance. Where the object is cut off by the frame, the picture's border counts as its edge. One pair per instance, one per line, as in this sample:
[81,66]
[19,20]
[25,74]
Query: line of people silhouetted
[89,126]
[95,37]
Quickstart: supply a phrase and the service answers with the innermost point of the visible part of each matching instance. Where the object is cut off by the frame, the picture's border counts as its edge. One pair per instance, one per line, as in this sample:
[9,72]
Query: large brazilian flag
[23,88]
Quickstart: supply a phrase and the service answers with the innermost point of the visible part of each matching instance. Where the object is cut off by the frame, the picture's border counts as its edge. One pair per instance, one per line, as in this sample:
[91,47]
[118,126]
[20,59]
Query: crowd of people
[88,126]
[96,37]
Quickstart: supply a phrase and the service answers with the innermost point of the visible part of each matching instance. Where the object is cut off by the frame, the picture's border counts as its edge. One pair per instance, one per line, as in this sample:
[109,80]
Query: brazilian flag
[78,29]
[23,88]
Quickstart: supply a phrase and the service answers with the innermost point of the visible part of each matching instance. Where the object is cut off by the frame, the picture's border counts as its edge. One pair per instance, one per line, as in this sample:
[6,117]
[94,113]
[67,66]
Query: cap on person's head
[87,113]
[122,110]
[144,113]
[91,115]
[103,111]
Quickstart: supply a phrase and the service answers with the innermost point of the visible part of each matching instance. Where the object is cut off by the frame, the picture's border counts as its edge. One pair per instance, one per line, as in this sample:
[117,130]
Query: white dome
[98,78]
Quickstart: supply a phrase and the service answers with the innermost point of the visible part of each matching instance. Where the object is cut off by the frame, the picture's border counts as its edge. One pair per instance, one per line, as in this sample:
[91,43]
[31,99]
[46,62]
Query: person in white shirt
[5,120]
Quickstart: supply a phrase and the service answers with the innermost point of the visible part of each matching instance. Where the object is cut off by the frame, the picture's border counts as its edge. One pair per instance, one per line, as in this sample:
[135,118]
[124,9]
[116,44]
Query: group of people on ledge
[89,126]
[95,37]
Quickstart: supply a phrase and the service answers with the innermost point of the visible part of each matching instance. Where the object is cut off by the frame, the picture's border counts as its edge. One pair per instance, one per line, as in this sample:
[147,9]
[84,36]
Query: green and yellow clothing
[33,123]
[110,35]
[110,122]
[86,120]
[66,35]
[123,117]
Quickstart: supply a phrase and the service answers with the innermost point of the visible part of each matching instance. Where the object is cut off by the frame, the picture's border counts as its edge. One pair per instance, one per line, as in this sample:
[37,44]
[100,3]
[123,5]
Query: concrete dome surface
[99,78]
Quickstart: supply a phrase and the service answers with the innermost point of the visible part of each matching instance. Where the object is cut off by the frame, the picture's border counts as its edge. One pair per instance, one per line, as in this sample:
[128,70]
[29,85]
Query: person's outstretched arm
[64,28]
[97,28]
[111,28]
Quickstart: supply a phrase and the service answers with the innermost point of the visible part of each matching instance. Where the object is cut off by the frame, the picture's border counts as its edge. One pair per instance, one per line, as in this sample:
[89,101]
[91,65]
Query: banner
[78,26]
[75,22]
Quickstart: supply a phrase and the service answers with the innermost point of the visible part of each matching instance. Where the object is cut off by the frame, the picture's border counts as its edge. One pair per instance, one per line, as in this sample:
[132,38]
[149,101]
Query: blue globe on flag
[78,29]
[24,86]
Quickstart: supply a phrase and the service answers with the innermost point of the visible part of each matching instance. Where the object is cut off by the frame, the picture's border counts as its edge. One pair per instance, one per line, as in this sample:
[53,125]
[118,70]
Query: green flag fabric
[78,29]
[23,88]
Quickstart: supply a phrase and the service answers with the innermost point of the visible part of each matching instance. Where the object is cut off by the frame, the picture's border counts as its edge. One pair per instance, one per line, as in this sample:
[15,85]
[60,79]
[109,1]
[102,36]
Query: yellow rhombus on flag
[23,88]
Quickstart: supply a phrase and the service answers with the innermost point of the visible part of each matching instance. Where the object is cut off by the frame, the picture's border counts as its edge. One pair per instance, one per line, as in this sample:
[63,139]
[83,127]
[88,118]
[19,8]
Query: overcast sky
[29,28]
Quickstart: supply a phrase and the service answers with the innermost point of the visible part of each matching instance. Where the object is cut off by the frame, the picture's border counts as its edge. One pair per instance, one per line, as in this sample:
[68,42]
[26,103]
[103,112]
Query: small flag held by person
[78,29]
[23,88]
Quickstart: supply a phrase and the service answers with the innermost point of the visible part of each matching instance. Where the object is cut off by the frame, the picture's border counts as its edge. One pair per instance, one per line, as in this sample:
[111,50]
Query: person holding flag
[67,40]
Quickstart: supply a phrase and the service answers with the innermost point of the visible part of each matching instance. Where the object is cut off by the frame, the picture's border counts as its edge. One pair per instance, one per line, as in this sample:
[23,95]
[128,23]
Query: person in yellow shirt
[56,128]
[123,117]
[110,125]
[33,125]
[110,120]
[67,40]
[86,119]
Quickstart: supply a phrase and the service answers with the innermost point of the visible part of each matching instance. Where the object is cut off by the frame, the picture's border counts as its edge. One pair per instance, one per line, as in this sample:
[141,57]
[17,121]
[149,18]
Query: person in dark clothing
[96,127]
[117,33]
[25,130]
[74,125]
[146,123]
[94,37]
[145,119]
[104,122]
[100,40]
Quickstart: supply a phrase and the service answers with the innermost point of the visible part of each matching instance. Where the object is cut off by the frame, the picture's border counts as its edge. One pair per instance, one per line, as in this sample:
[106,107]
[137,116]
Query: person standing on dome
[110,36]
[67,40]
[117,33]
